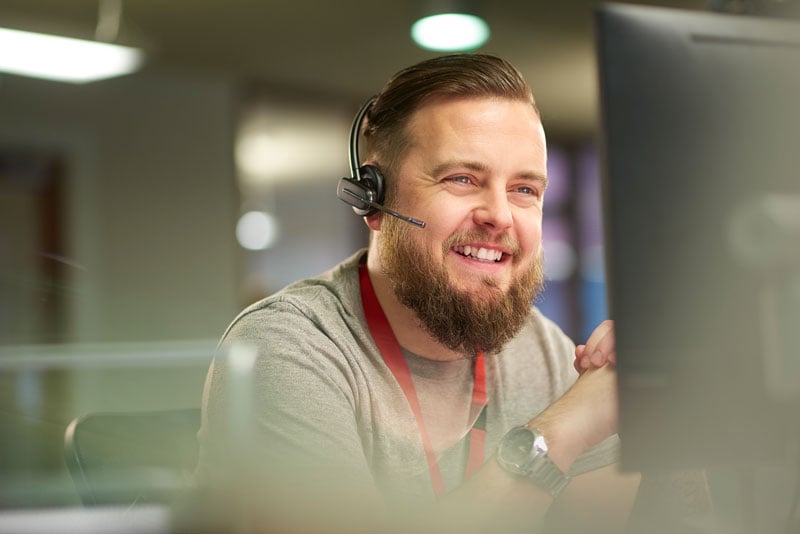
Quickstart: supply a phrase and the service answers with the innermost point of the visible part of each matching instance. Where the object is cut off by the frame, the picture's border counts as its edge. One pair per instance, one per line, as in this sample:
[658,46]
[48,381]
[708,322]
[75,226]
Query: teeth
[480,253]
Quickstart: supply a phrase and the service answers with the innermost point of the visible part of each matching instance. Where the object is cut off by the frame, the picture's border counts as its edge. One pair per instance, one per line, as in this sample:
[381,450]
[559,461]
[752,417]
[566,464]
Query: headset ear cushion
[356,194]
[372,178]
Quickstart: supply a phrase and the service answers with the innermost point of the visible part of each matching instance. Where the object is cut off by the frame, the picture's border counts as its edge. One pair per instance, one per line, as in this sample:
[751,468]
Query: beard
[463,321]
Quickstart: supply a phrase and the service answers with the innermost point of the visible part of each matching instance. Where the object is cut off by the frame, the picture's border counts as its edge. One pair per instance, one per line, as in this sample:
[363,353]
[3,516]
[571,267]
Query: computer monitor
[701,180]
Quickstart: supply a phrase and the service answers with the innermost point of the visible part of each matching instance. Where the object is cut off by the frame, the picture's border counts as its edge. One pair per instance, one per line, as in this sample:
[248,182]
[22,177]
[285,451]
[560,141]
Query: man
[413,380]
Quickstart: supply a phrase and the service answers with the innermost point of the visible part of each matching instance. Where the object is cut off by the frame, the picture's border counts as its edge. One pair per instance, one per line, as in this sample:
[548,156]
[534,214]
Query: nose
[494,210]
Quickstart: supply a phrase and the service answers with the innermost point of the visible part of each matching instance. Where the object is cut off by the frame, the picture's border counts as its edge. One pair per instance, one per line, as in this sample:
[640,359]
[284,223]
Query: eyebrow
[536,177]
[445,166]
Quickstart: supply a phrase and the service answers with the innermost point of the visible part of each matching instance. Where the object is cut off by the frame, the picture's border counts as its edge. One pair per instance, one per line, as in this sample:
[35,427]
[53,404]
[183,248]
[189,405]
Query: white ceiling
[343,48]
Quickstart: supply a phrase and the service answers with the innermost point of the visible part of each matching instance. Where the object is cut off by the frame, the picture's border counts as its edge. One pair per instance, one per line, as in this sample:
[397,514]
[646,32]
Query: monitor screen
[700,150]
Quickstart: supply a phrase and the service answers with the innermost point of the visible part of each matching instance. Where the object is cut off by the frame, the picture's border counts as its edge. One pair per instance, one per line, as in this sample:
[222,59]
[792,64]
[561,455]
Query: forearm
[492,500]
[497,495]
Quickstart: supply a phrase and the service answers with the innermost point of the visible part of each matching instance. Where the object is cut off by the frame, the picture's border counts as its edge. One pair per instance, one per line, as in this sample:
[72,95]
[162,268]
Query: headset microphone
[343,190]
[364,189]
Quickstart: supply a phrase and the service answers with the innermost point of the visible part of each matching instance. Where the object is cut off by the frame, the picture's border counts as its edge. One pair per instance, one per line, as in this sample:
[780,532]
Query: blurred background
[140,213]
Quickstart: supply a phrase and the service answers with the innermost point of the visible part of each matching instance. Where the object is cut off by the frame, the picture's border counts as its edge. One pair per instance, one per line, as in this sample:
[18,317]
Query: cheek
[531,247]
[443,221]
[531,239]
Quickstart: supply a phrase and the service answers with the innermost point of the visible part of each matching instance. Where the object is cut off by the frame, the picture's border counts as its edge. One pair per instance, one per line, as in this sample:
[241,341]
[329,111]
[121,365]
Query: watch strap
[547,475]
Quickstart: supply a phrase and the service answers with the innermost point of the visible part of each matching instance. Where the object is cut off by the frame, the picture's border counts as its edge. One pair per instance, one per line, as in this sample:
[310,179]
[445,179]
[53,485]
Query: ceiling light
[63,58]
[257,230]
[450,32]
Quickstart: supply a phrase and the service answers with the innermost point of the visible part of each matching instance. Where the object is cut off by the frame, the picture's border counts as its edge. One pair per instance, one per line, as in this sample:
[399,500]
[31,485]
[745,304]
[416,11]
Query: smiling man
[416,380]
[470,275]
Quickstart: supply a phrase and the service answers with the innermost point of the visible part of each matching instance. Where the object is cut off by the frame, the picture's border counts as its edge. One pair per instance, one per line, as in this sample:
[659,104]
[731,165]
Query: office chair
[132,457]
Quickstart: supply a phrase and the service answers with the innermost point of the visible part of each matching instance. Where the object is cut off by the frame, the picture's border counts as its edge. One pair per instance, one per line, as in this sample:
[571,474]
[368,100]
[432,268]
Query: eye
[460,179]
[527,191]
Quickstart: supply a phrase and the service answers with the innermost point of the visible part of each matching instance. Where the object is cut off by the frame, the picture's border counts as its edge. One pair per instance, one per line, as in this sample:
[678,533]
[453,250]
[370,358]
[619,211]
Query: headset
[364,190]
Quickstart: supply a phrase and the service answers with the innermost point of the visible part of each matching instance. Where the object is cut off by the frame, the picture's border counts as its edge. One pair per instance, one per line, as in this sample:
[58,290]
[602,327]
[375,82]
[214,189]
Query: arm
[599,500]
[302,465]
[311,451]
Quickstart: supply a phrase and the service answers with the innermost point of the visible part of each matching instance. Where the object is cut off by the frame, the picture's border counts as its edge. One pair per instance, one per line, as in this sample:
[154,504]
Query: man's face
[476,174]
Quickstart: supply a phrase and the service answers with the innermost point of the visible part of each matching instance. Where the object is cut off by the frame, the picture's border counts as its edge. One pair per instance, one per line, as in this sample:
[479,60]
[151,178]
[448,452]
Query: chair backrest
[132,457]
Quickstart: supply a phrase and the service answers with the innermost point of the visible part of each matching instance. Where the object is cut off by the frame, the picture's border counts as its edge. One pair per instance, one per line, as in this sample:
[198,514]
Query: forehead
[489,129]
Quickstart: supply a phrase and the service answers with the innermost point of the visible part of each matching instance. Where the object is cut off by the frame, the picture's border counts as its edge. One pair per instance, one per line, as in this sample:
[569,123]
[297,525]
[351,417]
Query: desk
[146,519]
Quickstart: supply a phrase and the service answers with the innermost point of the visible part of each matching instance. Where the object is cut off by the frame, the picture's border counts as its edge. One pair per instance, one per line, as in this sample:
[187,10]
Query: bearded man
[415,383]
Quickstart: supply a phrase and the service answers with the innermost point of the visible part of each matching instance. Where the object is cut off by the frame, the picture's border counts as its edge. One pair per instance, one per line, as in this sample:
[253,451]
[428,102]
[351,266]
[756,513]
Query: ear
[374,221]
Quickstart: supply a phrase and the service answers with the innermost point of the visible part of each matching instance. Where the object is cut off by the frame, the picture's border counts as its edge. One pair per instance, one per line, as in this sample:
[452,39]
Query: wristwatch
[523,452]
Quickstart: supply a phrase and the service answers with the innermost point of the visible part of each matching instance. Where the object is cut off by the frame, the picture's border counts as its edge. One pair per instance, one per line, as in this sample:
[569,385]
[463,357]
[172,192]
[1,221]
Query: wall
[149,203]
[147,258]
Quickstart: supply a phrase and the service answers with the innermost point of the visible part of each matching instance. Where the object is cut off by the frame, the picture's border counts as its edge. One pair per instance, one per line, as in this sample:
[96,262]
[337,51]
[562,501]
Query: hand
[599,349]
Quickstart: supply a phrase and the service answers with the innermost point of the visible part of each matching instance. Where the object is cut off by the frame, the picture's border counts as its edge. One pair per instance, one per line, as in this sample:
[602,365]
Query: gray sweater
[324,399]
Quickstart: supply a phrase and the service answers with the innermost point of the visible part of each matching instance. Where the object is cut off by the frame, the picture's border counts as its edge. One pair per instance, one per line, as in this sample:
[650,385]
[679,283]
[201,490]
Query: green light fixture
[450,26]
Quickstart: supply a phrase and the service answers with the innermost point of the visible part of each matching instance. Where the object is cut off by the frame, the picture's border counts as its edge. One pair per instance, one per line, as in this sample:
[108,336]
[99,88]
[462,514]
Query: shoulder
[320,304]
[308,339]
[311,332]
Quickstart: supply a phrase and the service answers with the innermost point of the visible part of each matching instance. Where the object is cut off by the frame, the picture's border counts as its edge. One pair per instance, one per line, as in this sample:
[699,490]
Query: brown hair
[453,76]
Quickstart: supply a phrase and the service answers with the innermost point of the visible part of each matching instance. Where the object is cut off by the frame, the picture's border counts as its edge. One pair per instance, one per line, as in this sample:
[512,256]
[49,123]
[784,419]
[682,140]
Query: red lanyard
[393,357]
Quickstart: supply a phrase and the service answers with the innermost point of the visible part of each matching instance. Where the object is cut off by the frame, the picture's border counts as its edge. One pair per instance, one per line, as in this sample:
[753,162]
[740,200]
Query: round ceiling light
[450,32]
[257,230]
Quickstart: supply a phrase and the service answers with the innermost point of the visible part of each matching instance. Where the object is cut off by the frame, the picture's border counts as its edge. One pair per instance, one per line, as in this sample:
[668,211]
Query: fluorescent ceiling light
[64,59]
[450,32]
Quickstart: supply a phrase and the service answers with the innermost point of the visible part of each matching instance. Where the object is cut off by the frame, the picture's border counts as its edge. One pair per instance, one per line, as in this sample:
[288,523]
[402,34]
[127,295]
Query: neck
[405,324]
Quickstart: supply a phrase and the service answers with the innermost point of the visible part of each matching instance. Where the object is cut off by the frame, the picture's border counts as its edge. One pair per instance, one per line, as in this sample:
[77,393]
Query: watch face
[523,452]
[517,446]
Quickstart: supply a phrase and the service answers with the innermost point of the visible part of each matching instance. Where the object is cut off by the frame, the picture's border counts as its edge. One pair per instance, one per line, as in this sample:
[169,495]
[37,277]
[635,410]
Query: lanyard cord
[393,357]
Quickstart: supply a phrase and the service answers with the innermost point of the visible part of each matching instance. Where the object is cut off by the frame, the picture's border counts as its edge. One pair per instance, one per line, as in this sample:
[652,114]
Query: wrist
[524,452]
[582,418]
[563,443]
